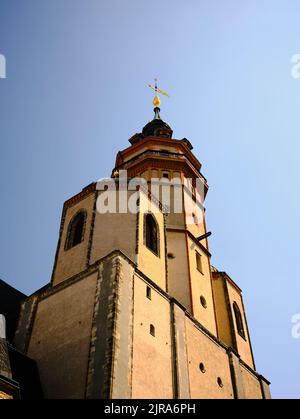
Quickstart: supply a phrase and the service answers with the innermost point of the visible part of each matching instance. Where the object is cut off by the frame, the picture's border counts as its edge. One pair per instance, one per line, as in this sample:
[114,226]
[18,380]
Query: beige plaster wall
[149,263]
[201,286]
[152,371]
[243,346]
[223,325]
[251,384]
[178,271]
[201,348]
[72,261]
[114,231]
[60,339]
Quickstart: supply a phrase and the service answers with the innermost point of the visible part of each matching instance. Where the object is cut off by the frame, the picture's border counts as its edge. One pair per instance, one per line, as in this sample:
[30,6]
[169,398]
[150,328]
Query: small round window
[203,301]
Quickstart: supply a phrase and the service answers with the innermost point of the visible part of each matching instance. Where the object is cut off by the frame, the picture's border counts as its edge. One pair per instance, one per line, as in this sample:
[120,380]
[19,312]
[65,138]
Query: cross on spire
[156,100]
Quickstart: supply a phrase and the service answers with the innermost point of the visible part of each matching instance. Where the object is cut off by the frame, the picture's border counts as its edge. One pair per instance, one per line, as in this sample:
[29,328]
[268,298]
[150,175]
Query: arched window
[76,230]
[151,233]
[239,320]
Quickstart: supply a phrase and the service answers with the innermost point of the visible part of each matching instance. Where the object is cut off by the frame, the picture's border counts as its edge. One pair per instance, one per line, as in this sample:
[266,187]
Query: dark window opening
[202,367]
[75,230]
[203,301]
[151,234]
[148,293]
[220,382]
[239,320]
[152,330]
[199,262]
[171,256]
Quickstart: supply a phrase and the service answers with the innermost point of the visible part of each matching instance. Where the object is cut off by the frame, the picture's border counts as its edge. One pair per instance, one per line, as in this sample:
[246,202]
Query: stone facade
[121,321]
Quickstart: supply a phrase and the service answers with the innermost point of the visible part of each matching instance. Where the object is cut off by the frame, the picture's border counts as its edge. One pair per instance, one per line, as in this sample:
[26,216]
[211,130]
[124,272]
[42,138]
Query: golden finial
[156,100]
[116,173]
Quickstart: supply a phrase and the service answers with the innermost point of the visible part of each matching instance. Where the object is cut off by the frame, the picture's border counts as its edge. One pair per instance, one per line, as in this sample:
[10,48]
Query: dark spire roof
[157,127]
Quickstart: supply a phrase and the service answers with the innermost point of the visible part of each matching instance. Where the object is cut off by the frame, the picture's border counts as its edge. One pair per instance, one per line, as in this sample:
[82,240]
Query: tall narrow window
[151,233]
[239,320]
[199,262]
[75,230]
[148,293]
[152,330]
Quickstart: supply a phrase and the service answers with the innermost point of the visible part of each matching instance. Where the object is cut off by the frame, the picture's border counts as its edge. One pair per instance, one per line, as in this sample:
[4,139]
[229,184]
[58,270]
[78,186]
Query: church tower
[134,308]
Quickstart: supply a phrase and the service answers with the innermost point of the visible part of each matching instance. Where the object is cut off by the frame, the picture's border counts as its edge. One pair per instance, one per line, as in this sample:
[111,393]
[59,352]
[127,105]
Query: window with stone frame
[239,320]
[75,234]
[152,237]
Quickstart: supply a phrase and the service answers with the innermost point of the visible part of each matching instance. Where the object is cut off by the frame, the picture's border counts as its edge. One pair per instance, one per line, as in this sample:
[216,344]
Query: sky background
[76,90]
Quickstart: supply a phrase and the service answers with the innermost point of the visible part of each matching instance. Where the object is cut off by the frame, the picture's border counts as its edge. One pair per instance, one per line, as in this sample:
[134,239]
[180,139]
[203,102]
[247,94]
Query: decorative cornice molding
[77,198]
[180,144]
[227,277]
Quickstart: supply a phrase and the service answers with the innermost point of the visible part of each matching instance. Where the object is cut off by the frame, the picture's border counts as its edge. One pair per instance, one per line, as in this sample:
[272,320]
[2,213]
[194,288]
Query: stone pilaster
[237,379]
[110,362]
[265,389]
[180,358]
[26,319]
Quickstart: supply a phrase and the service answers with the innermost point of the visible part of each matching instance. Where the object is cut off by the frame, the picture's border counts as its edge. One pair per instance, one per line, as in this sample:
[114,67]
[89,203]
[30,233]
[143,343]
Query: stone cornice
[78,197]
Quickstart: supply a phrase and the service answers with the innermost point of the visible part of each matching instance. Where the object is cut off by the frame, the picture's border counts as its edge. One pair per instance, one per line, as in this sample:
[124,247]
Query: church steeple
[157,127]
[139,278]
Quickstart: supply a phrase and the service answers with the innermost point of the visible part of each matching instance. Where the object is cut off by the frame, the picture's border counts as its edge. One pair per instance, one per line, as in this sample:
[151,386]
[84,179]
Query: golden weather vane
[156,100]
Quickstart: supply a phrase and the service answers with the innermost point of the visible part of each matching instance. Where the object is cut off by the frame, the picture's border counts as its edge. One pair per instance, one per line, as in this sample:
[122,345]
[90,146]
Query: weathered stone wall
[152,355]
[202,349]
[222,317]
[60,339]
[201,286]
[91,338]
[27,314]
[226,293]
[178,268]
[152,265]
[114,231]
[180,353]
[110,360]
[73,261]
[252,388]
[243,344]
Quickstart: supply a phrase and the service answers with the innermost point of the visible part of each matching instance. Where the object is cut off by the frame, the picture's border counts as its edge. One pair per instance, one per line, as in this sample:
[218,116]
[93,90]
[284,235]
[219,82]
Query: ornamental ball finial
[156,101]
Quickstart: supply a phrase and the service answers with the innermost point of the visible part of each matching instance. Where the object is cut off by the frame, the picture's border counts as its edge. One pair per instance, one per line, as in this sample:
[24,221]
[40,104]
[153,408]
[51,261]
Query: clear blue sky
[75,92]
